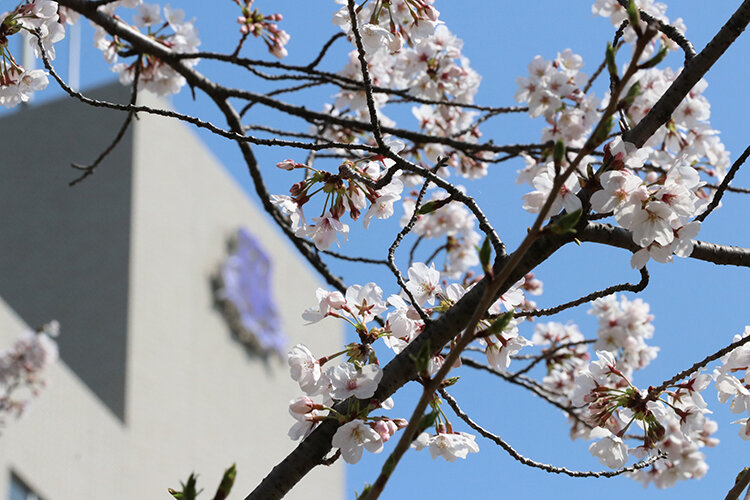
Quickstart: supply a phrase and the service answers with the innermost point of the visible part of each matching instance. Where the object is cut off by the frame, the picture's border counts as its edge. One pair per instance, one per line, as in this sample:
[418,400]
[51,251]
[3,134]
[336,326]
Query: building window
[20,491]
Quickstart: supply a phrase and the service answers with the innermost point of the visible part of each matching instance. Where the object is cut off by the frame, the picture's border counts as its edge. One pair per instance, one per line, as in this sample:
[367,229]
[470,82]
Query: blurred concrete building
[152,384]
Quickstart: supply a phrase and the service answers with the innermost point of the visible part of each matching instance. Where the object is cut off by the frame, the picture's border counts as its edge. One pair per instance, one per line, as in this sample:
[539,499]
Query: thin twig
[539,465]
[654,392]
[723,186]
[638,287]
[89,169]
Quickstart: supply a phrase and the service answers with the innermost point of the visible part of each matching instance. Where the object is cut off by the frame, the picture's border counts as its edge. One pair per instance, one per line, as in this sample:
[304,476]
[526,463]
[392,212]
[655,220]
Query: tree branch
[661,112]
[724,255]
[538,465]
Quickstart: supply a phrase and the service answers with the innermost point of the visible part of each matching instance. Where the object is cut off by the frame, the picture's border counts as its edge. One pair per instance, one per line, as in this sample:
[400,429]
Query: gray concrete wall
[64,251]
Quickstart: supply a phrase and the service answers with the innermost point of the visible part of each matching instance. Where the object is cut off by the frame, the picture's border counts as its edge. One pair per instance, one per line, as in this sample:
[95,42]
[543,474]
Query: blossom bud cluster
[22,367]
[677,427]
[264,26]
[347,191]
[45,20]
[170,30]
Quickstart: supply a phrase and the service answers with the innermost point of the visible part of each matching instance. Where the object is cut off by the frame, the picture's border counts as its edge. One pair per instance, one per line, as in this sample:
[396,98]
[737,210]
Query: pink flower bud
[401,423]
[301,405]
[288,165]
[383,430]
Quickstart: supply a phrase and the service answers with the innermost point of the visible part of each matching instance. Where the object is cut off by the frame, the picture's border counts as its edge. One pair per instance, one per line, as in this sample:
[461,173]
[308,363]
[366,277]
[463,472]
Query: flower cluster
[452,221]
[357,377]
[688,133]
[347,191]
[624,327]
[617,14]
[733,380]
[43,19]
[658,210]
[263,26]
[22,367]
[677,426]
[171,30]
[447,444]
[407,47]
[554,89]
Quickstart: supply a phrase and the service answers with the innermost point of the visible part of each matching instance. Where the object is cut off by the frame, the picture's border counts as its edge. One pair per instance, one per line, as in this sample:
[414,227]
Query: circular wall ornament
[243,291]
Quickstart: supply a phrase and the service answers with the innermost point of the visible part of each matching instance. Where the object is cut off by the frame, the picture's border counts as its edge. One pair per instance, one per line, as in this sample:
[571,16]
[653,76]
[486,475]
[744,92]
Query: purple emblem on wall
[245,294]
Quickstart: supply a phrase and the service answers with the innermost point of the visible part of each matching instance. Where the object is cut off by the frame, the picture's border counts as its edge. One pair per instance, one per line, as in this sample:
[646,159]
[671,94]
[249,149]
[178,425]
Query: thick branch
[662,111]
[724,255]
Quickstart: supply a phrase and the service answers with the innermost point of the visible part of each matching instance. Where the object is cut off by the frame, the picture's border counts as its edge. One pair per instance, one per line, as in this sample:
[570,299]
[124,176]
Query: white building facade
[152,384]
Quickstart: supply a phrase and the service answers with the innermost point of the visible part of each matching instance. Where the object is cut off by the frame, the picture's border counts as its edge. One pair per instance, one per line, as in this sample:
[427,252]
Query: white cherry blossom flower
[305,369]
[351,437]
[450,446]
[611,451]
[424,283]
[348,381]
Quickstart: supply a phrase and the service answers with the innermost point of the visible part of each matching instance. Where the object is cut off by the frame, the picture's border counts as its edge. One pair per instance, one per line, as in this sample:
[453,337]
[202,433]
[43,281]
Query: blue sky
[698,307]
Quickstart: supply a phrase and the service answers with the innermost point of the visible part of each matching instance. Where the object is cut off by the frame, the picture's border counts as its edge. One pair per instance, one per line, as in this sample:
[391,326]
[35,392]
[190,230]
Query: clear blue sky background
[698,306]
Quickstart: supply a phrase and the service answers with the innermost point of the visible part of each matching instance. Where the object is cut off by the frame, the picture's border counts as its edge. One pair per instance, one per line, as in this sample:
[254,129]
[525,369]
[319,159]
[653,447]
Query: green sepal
[567,223]
[227,481]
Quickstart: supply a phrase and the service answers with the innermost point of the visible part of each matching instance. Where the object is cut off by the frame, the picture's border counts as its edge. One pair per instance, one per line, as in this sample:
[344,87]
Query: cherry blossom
[347,380]
[450,446]
[351,437]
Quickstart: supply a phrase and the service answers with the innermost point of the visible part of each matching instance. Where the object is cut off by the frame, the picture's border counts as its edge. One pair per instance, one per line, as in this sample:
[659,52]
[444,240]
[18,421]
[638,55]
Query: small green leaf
[559,153]
[365,492]
[422,359]
[500,324]
[633,92]
[603,132]
[227,481]
[433,205]
[449,381]
[566,223]
[659,57]
[188,489]
[611,64]
[427,421]
[634,16]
